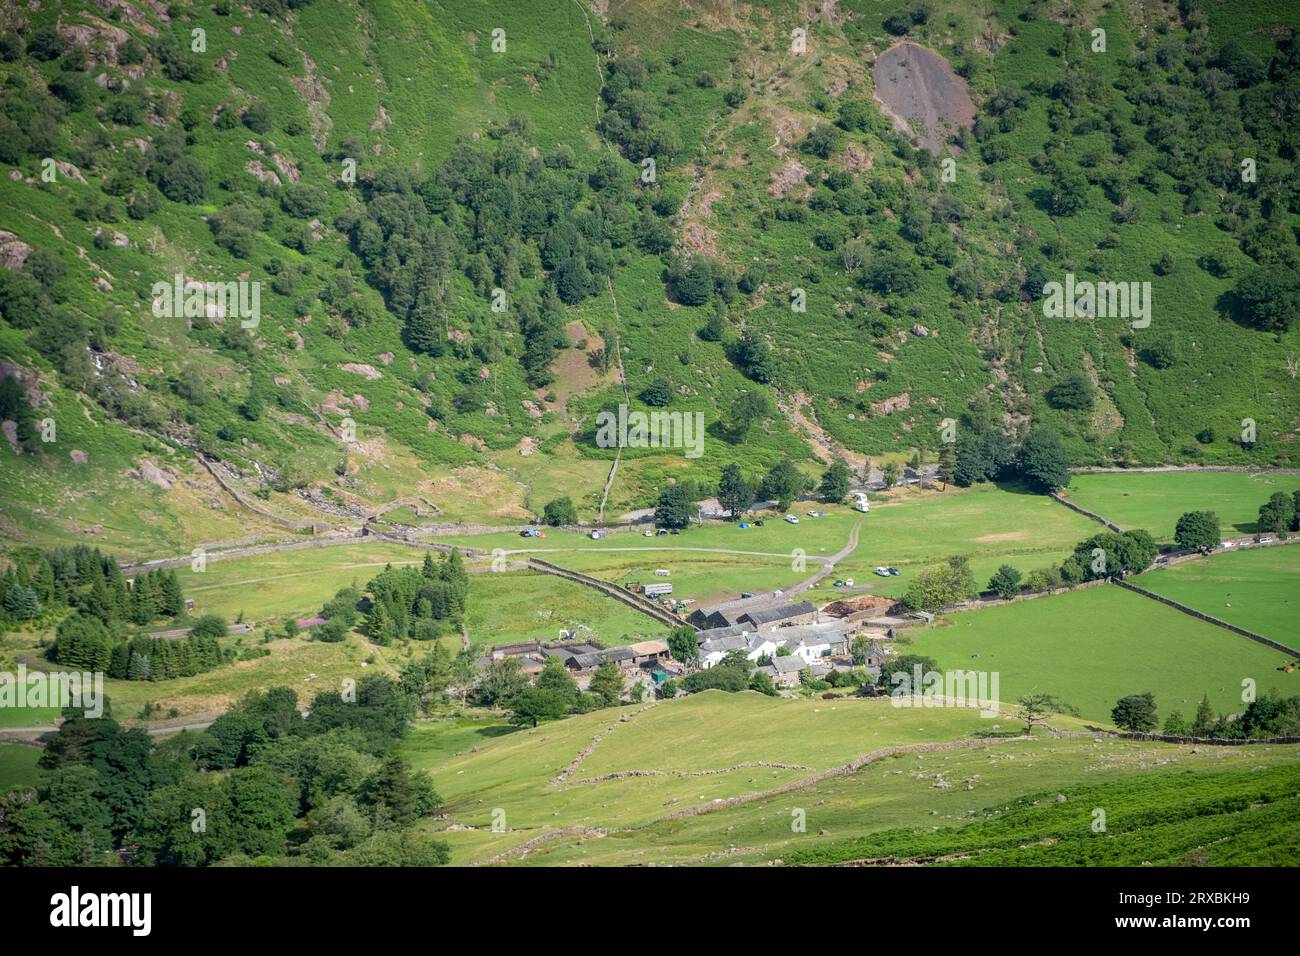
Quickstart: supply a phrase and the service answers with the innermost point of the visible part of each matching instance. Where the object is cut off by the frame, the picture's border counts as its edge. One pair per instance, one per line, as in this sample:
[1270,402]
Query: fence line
[1260,638]
[1212,741]
[644,605]
[1056,496]
[257,509]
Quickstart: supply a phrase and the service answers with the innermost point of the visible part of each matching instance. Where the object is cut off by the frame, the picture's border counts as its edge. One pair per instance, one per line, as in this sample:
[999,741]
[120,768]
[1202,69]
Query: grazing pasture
[623,803]
[1093,646]
[1258,589]
[1155,500]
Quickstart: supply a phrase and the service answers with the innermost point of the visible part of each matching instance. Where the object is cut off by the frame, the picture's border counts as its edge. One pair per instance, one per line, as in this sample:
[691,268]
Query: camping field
[1155,500]
[625,802]
[991,524]
[1092,646]
[1258,589]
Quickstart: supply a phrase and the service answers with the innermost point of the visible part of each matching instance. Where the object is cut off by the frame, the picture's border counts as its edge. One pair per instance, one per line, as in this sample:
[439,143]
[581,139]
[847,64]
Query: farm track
[828,565]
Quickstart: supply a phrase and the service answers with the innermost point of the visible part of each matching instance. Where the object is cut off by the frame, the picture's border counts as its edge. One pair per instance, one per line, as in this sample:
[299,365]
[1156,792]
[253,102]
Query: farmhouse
[784,671]
[760,645]
[812,642]
[714,650]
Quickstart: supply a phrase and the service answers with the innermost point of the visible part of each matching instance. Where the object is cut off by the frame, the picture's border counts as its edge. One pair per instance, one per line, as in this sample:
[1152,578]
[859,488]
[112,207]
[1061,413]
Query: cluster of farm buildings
[780,642]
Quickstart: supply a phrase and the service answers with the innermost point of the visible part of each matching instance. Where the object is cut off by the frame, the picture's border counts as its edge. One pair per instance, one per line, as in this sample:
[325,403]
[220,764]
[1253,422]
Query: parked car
[883,572]
[758,522]
[791,519]
[746,594]
[661,532]
[647,534]
[848,582]
[839,584]
[894,571]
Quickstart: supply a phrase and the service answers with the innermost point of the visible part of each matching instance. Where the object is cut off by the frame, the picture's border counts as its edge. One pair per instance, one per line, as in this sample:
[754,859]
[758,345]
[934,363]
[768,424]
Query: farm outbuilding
[805,612]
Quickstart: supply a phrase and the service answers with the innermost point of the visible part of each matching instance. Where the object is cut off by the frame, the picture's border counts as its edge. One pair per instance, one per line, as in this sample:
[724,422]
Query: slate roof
[771,615]
[788,664]
[724,644]
[714,633]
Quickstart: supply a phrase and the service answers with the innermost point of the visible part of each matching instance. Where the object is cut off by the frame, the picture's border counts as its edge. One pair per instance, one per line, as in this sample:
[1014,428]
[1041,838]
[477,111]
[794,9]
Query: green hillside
[381,168]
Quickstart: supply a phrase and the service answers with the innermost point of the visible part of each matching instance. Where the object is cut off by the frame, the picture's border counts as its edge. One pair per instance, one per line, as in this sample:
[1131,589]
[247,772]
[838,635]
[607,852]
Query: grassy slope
[713,732]
[1170,819]
[371,74]
[1094,646]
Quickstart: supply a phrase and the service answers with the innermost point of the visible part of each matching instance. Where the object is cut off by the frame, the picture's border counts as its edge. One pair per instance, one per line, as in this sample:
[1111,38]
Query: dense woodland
[262,785]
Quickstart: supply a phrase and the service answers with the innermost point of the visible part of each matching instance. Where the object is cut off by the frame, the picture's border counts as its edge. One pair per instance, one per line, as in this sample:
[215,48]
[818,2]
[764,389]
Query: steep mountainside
[472,228]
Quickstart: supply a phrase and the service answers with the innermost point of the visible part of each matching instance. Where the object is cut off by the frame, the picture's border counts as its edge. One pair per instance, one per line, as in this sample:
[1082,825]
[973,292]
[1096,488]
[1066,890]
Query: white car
[848,582]
[883,572]
[647,534]
[792,519]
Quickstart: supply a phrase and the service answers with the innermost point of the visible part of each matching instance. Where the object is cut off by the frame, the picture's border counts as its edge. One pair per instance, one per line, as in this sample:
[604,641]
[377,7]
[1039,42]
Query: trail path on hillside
[627,400]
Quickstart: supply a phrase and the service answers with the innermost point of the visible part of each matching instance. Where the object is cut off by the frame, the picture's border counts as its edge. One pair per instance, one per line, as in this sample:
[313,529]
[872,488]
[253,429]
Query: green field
[689,754]
[18,766]
[1258,589]
[524,605]
[270,587]
[1093,646]
[28,716]
[1155,500]
[906,527]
